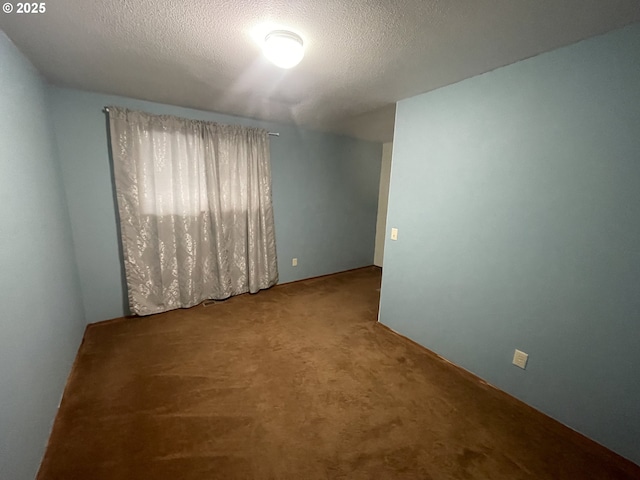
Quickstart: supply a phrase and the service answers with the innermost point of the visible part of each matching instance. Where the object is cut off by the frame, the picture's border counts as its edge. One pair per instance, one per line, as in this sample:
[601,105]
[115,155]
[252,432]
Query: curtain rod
[272,134]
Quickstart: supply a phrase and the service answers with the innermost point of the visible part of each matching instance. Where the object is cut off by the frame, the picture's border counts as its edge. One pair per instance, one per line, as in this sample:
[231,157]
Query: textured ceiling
[361,56]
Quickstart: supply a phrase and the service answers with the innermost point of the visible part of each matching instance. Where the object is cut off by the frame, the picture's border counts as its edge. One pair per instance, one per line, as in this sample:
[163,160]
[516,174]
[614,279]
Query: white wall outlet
[394,234]
[294,262]
[520,359]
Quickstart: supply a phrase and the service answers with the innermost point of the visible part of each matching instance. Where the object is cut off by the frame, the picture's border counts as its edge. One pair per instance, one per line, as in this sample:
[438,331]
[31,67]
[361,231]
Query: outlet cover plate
[520,359]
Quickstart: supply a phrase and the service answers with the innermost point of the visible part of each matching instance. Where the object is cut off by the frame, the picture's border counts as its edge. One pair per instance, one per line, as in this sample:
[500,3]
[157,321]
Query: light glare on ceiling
[283,48]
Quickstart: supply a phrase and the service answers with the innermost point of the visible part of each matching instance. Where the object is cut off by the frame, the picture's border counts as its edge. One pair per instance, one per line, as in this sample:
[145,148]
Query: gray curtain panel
[196,216]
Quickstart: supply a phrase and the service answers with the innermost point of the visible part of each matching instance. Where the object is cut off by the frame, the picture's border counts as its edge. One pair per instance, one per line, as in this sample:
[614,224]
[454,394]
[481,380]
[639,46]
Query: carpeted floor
[298,382]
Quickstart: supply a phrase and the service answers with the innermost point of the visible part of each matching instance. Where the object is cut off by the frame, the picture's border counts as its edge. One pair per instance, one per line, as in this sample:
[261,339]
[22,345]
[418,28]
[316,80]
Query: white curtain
[196,217]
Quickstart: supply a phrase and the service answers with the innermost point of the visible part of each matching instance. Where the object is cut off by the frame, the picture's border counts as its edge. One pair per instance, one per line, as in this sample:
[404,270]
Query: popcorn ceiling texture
[361,56]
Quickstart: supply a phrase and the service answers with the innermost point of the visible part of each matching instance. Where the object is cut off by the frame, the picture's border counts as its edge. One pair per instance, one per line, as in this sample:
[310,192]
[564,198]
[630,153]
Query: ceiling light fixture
[283,48]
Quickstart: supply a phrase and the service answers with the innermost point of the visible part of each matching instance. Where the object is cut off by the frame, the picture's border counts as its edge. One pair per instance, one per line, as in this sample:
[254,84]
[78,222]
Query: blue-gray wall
[517,198]
[42,320]
[325,194]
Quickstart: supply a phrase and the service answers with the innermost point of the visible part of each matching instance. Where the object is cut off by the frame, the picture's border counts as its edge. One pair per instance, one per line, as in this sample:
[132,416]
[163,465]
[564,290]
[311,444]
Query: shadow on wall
[123,276]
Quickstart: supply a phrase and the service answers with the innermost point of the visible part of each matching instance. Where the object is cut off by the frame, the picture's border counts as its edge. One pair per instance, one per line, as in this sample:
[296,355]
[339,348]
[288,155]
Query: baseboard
[112,320]
[328,275]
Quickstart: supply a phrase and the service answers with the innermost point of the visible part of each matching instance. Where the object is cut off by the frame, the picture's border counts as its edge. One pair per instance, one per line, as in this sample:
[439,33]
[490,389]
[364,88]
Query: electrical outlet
[294,262]
[520,359]
[394,234]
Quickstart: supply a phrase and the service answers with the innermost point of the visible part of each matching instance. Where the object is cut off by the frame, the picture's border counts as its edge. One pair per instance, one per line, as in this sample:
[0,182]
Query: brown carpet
[298,382]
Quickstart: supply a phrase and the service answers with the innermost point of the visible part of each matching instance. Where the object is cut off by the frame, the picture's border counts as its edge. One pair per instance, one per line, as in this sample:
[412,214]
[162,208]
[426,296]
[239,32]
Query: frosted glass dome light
[283,48]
